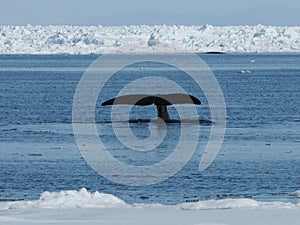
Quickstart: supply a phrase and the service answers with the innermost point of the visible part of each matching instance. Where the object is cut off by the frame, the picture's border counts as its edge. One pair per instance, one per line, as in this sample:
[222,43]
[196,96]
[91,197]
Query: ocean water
[259,158]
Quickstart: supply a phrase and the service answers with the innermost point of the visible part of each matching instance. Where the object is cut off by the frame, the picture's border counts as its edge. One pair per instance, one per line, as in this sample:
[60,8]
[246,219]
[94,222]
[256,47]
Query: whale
[161,101]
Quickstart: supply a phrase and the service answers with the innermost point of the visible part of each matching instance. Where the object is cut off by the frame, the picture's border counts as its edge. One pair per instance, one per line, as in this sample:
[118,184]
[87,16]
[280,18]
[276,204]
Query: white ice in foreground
[68,200]
[108,39]
[297,194]
[83,207]
[85,200]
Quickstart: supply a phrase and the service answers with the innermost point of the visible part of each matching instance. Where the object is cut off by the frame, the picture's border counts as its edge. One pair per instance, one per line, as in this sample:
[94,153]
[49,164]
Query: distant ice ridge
[109,39]
[85,200]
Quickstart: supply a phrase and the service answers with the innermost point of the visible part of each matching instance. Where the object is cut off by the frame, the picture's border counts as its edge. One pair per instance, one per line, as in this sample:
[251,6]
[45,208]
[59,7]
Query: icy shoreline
[83,199]
[83,207]
[109,39]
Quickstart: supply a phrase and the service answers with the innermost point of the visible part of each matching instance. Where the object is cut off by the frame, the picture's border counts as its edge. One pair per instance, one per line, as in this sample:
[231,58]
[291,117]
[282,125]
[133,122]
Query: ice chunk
[152,40]
[291,33]
[68,200]
[55,39]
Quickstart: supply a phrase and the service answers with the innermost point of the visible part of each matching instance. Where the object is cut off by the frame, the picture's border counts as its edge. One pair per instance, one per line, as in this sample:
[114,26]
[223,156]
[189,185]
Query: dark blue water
[259,158]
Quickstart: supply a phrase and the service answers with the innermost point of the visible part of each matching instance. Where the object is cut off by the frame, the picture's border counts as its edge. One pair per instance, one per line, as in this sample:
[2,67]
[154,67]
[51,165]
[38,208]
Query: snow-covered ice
[68,200]
[142,38]
[297,194]
[83,207]
[83,199]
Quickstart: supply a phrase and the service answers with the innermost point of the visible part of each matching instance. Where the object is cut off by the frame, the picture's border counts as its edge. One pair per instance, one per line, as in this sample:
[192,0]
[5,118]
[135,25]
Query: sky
[152,12]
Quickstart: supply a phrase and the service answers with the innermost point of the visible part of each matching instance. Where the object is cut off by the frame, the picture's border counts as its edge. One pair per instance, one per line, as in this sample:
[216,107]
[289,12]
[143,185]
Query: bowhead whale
[160,101]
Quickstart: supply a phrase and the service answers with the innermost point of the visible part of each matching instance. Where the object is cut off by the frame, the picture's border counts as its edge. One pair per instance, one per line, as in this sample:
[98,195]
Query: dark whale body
[160,101]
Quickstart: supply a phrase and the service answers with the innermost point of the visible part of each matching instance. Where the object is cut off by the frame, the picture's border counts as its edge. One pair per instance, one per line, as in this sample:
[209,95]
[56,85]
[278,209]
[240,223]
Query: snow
[237,203]
[297,194]
[83,207]
[68,200]
[141,38]
[83,199]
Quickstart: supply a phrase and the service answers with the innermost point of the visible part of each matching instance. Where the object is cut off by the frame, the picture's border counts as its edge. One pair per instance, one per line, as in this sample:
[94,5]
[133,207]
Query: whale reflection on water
[158,120]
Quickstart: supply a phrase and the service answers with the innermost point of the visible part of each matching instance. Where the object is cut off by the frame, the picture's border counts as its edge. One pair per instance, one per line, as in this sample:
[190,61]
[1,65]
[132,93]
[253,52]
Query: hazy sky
[151,12]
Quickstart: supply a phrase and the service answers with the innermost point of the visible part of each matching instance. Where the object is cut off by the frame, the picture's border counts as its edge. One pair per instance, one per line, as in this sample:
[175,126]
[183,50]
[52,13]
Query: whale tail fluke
[161,101]
[158,100]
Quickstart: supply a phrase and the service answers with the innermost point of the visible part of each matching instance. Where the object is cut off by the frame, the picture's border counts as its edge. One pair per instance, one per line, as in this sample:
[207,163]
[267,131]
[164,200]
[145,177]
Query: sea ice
[73,199]
[83,207]
[141,38]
